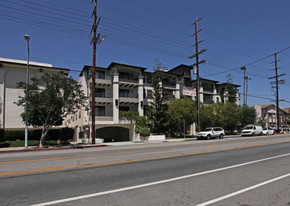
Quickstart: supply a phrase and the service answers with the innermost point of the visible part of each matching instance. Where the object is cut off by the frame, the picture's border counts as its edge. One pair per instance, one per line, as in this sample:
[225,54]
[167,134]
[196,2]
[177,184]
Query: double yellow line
[124,161]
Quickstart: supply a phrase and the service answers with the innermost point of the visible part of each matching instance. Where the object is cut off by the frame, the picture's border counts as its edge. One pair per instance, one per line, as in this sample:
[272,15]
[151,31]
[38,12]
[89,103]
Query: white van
[252,130]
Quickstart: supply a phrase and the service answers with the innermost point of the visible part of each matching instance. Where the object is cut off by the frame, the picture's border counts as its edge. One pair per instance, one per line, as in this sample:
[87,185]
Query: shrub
[144,131]
[63,134]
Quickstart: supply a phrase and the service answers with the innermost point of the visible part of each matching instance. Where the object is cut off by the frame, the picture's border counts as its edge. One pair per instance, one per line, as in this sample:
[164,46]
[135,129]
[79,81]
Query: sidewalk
[82,146]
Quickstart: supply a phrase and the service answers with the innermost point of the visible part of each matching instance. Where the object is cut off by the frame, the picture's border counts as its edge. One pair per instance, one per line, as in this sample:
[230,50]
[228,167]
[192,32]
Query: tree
[208,116]
[248,115]
[158,110]
[232,91]
[181,111]
[51,98]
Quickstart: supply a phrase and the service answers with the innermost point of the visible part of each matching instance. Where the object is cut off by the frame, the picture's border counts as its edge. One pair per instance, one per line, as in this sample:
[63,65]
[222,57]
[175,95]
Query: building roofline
[31,64]
[126,65]
[229,83]
[181,65]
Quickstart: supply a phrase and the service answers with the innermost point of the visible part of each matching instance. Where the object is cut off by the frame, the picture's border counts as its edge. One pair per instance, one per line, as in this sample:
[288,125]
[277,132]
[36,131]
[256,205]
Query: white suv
[210,132]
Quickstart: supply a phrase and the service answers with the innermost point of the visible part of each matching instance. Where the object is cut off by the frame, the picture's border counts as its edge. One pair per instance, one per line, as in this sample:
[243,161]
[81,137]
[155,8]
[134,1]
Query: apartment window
[124,93]
[123,75]
[100,75]
[100,111]
[149,79]
[149,94]
[80,114]
[100,92]
[126,109]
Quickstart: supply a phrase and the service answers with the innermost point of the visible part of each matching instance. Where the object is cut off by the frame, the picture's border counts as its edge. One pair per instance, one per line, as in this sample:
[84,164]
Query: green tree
[158,107]
[232,91]
[248,115]
[207,116]
[51,98]
[181,111]
[231,116]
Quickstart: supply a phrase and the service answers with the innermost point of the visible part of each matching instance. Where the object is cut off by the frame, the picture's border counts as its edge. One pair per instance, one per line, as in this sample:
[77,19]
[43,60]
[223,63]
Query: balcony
[107,81]
[128,82]
[128,98]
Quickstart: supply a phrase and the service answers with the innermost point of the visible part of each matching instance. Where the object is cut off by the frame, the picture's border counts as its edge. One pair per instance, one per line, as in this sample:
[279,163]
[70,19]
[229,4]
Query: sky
[137,32]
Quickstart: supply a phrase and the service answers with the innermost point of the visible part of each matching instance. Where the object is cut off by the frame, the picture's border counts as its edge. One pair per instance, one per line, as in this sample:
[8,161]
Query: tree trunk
[43,134]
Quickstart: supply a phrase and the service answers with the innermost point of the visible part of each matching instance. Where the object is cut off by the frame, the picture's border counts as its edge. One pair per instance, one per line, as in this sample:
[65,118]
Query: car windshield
[207,129]
[250,127]
[265,128]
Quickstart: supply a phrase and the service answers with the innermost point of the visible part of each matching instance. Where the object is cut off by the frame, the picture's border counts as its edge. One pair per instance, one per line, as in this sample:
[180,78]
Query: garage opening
[113,134]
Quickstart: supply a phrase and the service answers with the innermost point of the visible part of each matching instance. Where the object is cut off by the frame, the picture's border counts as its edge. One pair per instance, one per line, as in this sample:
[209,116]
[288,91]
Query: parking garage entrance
[113,134]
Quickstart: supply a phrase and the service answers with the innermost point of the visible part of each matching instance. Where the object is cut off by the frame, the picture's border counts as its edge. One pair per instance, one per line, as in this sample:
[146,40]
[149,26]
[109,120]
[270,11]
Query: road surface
[235,171]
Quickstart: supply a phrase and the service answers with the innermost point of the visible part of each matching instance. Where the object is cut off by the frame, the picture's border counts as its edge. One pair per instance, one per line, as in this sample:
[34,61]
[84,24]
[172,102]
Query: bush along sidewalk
[31,143]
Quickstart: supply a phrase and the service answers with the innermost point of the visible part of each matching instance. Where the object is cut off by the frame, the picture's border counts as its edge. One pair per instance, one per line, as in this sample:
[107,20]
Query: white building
[121,87]
[11,72]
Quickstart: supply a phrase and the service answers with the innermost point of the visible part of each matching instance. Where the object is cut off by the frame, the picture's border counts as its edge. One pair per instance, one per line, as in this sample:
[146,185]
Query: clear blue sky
[137,32]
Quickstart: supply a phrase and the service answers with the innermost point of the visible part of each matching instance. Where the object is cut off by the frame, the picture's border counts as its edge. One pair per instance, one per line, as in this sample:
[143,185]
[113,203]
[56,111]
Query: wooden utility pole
[197,52]
[95,41]
[276,83]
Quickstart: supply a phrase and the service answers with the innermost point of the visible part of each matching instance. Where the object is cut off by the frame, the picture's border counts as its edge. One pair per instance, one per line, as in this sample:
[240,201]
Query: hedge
[63,134]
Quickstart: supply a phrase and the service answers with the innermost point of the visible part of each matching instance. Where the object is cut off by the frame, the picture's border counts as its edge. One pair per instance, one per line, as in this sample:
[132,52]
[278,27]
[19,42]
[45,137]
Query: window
[100,111]
[123,75]
[149,94]
[80,114]
[124,93]
[100,92]
[100,75]
[126,109]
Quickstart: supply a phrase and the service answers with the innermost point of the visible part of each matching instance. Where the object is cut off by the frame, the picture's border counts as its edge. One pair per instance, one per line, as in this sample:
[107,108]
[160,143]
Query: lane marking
[108,154]
[161,182]
[243,190]
[133,160]
[130,152]
[129,161]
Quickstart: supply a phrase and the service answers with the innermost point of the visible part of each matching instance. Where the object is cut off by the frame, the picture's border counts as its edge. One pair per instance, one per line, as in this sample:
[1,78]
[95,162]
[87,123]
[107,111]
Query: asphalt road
[241,171]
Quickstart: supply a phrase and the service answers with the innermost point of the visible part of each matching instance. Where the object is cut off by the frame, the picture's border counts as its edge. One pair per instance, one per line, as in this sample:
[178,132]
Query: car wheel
[208,137]
[221,136]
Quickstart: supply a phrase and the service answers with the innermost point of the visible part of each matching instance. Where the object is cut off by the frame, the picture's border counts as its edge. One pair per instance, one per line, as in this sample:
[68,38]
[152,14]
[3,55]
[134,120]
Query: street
[232,171]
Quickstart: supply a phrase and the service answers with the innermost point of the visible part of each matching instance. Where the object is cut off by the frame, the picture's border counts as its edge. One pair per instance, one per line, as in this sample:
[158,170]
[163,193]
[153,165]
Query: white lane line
[243,190]
[156,183]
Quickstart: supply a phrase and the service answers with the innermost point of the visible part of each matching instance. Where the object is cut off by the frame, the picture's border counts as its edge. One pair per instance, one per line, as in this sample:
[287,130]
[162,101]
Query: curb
[51,148]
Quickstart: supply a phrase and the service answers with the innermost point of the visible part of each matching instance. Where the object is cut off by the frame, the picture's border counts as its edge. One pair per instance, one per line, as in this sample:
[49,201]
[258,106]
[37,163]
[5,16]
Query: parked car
[268,131]
[251,130]
[211,132]
[285,128]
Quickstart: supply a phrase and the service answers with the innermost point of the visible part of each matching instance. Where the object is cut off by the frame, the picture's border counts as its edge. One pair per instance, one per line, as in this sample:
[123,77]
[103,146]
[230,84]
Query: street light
[27,38]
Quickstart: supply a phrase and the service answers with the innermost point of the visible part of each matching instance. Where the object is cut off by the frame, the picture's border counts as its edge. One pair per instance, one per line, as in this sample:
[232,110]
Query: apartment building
[268,114]
[11,72]
[212,91]
[121,87]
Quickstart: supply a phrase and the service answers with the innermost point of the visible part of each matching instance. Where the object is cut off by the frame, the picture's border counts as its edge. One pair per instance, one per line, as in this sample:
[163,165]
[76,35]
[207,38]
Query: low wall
[156,137]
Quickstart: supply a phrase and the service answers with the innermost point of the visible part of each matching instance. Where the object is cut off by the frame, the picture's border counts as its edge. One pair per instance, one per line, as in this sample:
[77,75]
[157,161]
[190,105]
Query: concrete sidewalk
[82,146]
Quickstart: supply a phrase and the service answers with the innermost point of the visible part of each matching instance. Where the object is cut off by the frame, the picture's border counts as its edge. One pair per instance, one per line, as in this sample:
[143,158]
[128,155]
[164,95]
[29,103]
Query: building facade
[121,87]
[11,72]
[267,113]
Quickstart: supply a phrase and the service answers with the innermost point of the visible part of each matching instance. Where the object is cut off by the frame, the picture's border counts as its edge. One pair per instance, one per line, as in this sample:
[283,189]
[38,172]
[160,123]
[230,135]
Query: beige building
[11,72]
[121,87]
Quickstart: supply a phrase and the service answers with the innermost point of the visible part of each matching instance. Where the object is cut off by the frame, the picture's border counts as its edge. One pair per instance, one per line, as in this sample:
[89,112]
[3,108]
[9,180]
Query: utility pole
[244,68]
[197,53]
[95,40]
[276,83]
[247,85]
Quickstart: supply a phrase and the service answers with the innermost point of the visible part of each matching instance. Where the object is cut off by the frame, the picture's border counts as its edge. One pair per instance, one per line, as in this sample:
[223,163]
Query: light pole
[27,38]
[244,69]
